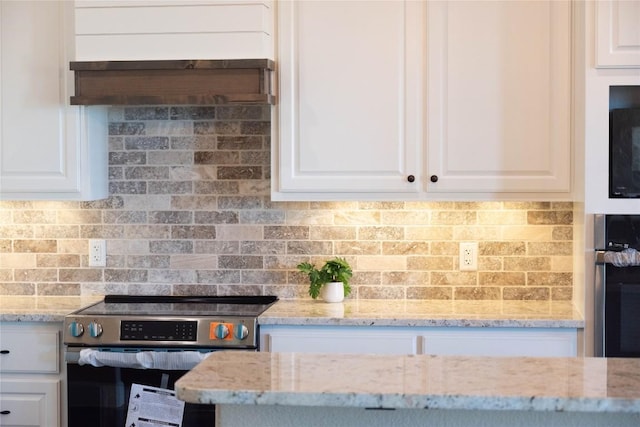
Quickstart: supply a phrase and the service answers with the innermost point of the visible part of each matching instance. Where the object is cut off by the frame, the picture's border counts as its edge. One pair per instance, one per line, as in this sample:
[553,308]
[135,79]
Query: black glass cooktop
[161,305]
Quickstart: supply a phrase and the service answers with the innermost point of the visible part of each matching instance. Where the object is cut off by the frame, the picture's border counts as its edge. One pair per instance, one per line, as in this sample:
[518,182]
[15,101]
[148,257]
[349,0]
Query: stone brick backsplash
[189,213]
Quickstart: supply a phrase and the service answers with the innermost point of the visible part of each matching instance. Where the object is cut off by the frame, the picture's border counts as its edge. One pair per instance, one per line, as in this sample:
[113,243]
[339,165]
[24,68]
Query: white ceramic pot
[332,292]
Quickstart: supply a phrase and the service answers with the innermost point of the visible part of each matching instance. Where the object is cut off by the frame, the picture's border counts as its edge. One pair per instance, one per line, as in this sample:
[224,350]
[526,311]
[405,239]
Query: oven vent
[184,82]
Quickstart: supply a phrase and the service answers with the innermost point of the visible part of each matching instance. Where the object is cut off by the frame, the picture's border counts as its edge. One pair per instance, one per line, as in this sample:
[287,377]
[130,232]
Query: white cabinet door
[29,403]
[45,152]
[617,33]
[531,342]
[131,30]
[349,115]
[499,87]
[327,339]
[29,351]
[30,374]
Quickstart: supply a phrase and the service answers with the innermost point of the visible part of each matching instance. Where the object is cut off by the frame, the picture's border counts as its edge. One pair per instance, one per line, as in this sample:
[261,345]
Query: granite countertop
[485,313]
[42,308]
[350,312]
[415,381]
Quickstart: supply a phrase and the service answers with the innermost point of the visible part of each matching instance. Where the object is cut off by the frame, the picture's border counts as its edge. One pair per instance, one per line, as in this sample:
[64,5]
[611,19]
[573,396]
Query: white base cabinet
[30,369]
[29,403]
[534,342]
[49,150]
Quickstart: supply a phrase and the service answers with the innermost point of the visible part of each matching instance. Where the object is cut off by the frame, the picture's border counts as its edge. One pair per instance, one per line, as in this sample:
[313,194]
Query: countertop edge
[410,401]
[32,317]
[435,322]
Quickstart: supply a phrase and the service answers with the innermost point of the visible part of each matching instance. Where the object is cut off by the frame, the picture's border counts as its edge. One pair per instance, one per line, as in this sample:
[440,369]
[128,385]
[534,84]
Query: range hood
[192,82]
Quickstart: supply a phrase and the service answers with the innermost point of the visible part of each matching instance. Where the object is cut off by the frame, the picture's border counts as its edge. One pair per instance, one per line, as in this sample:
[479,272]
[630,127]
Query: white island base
[306,389]
[309,416]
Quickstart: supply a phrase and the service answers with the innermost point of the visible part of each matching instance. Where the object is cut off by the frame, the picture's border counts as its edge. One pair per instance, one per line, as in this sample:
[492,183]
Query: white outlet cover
[468,256]
[97,253]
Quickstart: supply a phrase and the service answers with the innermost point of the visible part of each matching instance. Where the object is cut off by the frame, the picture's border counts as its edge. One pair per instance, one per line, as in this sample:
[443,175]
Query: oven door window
[622,320]
[99,397]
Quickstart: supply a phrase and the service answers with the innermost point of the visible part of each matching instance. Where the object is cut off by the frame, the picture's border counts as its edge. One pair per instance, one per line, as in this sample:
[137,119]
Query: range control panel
[229,332]
[158,330]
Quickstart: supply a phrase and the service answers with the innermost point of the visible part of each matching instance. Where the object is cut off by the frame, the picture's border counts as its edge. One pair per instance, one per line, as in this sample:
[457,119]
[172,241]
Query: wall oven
[617,287]
[128,341]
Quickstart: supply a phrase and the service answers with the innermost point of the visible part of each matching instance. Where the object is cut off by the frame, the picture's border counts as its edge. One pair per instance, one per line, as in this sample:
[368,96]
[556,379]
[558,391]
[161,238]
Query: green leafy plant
[335,270]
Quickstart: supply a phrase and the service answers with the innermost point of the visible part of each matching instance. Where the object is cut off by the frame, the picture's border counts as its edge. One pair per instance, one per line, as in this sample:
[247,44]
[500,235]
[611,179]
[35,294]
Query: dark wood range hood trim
[185,82]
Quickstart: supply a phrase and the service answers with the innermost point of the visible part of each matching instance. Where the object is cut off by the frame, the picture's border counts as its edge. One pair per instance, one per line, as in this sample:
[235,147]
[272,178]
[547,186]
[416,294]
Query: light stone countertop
[350,312]
[484,313]
[42,308]
[415,381]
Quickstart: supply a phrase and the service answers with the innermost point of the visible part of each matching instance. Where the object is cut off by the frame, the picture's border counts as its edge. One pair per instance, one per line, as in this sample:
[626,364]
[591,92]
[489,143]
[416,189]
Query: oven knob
[95,329]
[222,331]
[76,329]
[240,331]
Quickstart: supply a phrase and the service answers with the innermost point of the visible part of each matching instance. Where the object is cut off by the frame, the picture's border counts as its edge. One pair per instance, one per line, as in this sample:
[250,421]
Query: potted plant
[331,282]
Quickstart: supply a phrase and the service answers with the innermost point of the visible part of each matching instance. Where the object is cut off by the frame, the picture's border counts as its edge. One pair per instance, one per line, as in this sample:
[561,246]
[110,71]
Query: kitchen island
[287,389]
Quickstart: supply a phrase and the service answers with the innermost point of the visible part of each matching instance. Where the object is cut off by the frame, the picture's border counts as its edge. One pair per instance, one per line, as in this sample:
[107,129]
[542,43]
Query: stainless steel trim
[599,225]
[599,303]
[599,237]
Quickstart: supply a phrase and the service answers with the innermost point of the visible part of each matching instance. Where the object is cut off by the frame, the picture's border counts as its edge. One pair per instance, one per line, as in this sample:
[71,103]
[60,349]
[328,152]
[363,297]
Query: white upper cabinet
[173,29]
[45,152]
[470,100]
[618,33]
[499,97]
[351,94]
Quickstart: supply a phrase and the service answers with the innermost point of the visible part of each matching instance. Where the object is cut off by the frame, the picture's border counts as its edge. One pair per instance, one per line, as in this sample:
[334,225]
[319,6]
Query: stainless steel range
[149,340]
[168,321]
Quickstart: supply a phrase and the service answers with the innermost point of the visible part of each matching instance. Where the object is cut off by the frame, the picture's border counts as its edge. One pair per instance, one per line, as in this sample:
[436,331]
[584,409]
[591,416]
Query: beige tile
[429,233]
[502,217]
[18,260]
[239,232]
[528,233]
[193,261]
[357,218]
[381,263]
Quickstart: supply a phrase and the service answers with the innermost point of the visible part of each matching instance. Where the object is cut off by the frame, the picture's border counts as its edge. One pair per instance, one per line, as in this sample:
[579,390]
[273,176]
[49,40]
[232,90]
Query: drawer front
[29,351]
[307,339]
[29,403]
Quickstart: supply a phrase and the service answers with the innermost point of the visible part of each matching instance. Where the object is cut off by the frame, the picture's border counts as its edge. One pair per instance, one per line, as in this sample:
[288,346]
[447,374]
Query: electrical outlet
[468,256]
[97,253]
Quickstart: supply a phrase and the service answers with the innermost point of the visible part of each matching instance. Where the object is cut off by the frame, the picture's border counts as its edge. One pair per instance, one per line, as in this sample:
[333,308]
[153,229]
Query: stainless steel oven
[151,341]
[617,285]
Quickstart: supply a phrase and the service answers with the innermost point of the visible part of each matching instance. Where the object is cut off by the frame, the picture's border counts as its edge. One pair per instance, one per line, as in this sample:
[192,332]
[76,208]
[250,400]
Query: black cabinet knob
[411,178]
[5,412]
[434,178]
[4,352]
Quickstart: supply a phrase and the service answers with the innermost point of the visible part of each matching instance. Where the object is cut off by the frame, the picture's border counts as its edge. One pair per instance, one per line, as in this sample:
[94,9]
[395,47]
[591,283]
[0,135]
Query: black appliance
[104,341]
[624,153]
[617,287]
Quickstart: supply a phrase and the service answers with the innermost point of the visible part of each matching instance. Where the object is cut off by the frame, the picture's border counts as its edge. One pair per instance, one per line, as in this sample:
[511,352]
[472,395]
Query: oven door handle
[165,360]
[629,257]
